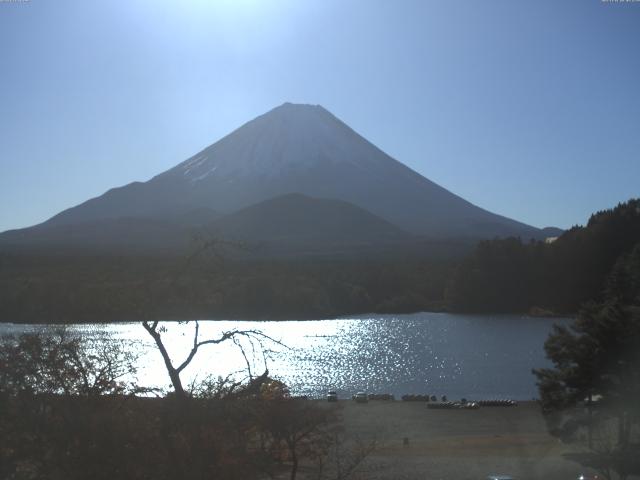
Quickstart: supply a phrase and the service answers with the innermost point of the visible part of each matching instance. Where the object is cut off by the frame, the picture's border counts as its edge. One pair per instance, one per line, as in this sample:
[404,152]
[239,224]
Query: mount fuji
[292,149]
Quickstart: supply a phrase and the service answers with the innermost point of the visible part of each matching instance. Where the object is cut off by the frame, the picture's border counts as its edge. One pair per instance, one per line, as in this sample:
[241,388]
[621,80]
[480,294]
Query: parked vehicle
[361,397]
[332,396]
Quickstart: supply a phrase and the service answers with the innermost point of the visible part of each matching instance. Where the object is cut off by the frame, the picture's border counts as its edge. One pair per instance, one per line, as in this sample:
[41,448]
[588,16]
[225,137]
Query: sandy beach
[456,444]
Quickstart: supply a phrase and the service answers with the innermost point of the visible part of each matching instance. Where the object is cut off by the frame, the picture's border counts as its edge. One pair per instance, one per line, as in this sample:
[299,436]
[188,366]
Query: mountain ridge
[296,148]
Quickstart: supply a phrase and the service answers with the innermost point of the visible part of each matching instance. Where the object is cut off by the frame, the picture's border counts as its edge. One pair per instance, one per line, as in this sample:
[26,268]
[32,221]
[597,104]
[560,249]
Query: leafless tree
[174,370]
[207,248]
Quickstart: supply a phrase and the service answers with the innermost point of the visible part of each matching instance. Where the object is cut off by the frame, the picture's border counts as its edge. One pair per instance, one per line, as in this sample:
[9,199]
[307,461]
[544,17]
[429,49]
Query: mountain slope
[299,149]
[298,219]
[105,235]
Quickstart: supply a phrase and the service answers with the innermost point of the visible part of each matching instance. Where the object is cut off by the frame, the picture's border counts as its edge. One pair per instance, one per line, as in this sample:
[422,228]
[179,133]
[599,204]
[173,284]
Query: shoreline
[303,318]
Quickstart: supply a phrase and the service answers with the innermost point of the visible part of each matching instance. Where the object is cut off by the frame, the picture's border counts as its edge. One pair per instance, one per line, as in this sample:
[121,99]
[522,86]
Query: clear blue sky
[530,109]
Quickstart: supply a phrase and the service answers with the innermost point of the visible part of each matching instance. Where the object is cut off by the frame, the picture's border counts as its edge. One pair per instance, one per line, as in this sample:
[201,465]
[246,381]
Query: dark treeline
[502,275]
[507,275]
[66,289]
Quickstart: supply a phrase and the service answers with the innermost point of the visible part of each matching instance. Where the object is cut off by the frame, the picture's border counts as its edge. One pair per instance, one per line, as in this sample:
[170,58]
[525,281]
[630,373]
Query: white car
[361,397]
[499,477]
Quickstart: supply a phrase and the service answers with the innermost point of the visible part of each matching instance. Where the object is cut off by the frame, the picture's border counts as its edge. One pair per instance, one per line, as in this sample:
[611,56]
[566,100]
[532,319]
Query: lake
[470,356]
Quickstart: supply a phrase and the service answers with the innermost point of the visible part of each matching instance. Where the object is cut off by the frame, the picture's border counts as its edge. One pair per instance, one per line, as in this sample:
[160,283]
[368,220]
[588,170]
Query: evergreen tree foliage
[597,369]
[508,275]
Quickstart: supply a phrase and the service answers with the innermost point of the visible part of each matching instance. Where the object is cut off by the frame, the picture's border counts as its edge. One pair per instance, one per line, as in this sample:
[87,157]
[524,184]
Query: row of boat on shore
[431,400]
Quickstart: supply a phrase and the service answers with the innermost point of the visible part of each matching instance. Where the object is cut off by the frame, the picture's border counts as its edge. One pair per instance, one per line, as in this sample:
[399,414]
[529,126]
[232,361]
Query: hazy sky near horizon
[530,109]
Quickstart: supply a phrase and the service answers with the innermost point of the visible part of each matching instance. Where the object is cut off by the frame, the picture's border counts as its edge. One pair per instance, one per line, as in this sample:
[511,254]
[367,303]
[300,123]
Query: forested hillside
[65,289]
[503,275]
[508,275]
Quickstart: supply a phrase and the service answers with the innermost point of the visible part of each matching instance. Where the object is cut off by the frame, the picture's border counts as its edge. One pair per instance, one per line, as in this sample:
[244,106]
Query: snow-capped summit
[285,139]
[299,149]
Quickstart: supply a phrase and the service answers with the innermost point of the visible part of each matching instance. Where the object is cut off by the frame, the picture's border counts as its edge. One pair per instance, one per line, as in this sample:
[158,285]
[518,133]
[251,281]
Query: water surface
[471,356]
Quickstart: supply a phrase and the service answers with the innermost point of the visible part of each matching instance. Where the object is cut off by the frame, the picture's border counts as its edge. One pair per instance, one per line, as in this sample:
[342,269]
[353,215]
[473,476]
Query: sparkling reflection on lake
[471,356]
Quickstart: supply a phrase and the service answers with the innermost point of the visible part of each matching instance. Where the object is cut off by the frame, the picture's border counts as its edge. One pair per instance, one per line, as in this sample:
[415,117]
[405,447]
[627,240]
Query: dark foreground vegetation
[69,410]
[592,395]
